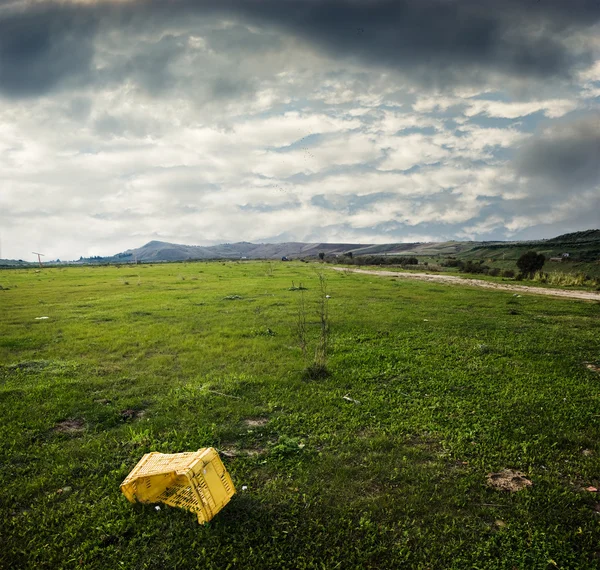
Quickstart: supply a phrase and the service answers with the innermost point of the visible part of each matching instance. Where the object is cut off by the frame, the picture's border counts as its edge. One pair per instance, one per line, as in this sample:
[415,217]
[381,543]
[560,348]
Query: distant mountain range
[156,251]
[162,251]
[583,245]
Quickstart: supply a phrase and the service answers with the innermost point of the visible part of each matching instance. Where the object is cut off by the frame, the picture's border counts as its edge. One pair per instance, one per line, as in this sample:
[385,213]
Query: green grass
[449,384]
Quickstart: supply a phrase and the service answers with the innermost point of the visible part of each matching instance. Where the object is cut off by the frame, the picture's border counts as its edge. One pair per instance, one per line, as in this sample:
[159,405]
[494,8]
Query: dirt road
[453,280]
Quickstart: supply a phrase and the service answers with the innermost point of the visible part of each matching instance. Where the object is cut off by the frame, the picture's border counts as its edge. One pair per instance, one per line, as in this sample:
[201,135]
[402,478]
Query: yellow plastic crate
[196,481]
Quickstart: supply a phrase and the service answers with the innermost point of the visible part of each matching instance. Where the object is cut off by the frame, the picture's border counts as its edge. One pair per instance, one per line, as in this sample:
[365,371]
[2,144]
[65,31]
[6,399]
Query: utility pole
[39,258]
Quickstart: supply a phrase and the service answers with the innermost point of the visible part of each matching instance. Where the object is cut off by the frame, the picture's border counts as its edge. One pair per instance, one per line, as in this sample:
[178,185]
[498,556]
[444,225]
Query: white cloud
[390,122]
[343,149]
[283,130]
[412,150]
[483,227]
[552,108]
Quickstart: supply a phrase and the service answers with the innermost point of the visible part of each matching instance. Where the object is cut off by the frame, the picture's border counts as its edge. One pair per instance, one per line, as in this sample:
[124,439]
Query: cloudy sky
[203,122]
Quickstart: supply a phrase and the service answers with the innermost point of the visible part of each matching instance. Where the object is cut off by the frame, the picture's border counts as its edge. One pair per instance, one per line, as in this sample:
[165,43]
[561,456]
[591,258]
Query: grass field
[445,384]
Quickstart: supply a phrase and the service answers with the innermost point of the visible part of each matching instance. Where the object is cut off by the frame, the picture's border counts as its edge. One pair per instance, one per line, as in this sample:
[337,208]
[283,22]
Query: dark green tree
[321,255]
[530,262]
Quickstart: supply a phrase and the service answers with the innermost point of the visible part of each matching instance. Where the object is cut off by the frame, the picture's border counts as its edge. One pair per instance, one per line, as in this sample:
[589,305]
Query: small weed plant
[320,361]
[318,367]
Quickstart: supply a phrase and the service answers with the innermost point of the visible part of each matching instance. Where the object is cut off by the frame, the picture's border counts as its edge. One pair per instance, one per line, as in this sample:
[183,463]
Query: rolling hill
[583,246]
[156,251]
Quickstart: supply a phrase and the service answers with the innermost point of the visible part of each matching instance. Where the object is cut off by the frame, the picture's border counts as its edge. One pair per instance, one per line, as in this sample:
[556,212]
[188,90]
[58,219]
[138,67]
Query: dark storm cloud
[446,38]
[437,41]
[149,65]
[42,47]
[567,154]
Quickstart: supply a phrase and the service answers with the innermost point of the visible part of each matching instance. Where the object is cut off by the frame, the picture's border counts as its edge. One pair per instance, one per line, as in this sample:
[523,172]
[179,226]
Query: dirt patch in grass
[232,451]
[129,415]
[256,422]
[70,426]
[30,365]
[593,367]
[508,480]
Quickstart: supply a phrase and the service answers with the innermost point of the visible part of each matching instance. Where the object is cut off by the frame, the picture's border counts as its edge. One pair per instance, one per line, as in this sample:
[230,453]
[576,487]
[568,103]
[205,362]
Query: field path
[453,280]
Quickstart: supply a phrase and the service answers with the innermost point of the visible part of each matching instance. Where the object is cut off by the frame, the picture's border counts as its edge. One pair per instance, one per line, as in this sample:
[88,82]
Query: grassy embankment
[452,383]
[583,249]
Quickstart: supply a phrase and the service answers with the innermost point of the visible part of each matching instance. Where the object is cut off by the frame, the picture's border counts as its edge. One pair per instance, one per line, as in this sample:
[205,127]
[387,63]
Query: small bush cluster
[477,267]
[468,266]
[381,260]
[474,267]
[566,279]
[452,262]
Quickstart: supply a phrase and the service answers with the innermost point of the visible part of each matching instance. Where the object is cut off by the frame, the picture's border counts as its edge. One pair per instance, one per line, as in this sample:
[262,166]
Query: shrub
[410,261]
[381,260]
[531,262]
[494,272]
[509,273]
[471,267]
